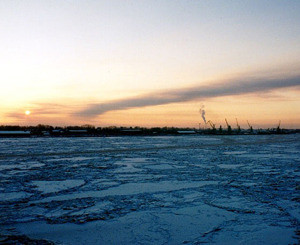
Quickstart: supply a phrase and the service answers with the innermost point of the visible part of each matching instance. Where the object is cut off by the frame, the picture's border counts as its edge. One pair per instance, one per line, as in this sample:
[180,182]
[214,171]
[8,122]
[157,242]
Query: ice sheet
[56,186]
[152,190]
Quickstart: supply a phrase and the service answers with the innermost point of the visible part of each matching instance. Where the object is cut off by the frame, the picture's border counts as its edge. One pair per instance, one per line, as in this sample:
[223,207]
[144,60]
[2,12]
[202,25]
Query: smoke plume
[202,112]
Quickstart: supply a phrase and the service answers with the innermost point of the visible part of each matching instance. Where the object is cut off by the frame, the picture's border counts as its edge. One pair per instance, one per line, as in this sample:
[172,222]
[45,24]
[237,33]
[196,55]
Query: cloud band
[236,86]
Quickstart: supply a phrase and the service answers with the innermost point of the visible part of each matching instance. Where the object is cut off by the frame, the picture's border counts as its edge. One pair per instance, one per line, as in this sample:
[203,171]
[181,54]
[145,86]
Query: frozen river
[151,190]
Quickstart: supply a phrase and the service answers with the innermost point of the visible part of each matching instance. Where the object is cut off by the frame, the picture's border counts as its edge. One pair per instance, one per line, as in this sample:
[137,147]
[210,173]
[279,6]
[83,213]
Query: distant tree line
[90,130]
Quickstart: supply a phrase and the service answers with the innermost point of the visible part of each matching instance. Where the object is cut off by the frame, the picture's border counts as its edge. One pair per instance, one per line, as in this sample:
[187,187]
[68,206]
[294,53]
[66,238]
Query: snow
[152,190]
[56,186]
[13,196]
[131,189]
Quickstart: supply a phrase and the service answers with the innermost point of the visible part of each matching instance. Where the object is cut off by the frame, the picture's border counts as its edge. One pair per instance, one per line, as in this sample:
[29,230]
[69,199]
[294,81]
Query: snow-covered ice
[151,190]
[56,186]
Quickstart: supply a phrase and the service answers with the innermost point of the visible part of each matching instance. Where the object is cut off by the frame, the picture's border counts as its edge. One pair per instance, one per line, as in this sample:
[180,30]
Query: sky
[150,62]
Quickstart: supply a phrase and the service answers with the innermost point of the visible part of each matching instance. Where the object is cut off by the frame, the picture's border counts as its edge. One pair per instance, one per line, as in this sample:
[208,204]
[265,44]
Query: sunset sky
[150,63]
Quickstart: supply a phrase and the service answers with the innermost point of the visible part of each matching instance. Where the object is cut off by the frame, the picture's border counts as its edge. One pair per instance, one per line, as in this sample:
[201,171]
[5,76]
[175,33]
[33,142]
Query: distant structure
[250,127]
[229,130]
[213,126]
[131,131]
[15,133]
[91,131]
[278,130]
[220,129]
[238,126]
[186,132]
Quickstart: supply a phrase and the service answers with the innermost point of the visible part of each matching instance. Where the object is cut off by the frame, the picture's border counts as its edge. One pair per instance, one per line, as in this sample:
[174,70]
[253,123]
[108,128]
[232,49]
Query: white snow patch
[70,159]
[10,166]
[132,189]
[228,166]
[160,166]
[55,186]
[11,196]
[234,152]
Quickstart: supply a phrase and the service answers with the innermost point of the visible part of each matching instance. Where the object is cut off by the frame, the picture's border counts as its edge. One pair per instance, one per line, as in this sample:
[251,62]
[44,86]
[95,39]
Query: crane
[250,127]
[278,130]
[228,126]
[213,126]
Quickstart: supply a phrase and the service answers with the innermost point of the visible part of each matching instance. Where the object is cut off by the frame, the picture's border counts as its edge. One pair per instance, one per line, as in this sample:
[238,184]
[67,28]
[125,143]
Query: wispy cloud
[37,109]
[236,86]
[44,109]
